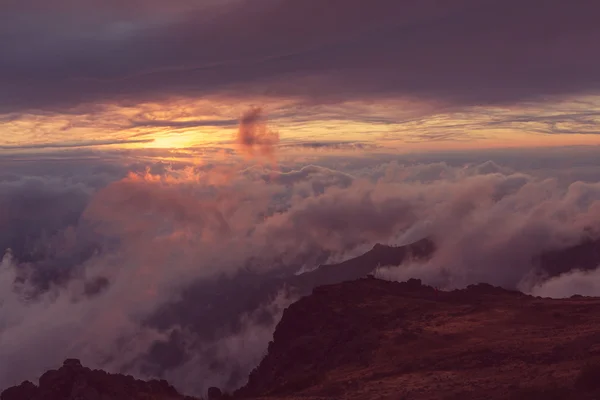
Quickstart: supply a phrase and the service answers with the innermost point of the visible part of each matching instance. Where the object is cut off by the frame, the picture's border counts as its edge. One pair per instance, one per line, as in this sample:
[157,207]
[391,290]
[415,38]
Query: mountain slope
[371,339]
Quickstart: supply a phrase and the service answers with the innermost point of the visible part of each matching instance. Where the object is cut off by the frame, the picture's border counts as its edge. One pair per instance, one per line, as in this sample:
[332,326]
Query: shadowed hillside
[72,381]
[371,339]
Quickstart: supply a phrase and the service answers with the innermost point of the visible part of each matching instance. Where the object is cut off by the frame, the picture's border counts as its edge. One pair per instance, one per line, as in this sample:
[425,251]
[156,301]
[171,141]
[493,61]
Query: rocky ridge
[373,339]
[72,381]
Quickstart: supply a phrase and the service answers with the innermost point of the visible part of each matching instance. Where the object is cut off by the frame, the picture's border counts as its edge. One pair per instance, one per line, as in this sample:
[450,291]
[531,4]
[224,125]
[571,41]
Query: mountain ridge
[373,339]
[370,338]
[72,381]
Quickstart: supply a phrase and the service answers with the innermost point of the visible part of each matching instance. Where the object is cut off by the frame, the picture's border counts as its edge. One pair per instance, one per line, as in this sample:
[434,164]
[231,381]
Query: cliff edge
[373,339]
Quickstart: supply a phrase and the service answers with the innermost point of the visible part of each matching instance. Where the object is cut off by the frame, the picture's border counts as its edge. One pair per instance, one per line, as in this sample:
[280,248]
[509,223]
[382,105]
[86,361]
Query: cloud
[93,143]
[331,145]
[254,136]
[35,209]
[566,285]
[184,277]
[566,117]
[464,52]
[184,124]
[237,353]
[491,228]
[319,178]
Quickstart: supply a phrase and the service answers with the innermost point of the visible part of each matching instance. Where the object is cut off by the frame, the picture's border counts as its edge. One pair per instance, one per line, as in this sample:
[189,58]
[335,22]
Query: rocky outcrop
[370,339]
[25,391]
[72,381]
[214,393]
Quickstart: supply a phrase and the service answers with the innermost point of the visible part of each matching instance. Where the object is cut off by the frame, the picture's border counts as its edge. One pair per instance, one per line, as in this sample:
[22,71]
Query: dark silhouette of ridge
[72,381]
[365,264]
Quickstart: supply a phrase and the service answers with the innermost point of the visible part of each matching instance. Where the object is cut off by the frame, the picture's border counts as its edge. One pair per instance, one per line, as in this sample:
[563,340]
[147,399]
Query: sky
[404,75]
[163,161]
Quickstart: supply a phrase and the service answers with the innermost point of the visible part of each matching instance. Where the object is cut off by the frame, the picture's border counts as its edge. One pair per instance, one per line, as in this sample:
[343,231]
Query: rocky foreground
[72,381]
[371,339]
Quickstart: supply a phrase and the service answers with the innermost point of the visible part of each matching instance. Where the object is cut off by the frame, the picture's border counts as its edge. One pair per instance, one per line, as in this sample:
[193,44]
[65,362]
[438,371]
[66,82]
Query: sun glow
[184,123]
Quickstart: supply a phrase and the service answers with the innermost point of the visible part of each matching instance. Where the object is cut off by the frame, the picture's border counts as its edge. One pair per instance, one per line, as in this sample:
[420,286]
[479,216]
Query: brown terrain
[373,339]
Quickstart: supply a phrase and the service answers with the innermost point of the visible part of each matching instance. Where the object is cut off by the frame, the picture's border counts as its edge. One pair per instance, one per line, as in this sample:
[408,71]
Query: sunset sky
[385,75]
[163,163]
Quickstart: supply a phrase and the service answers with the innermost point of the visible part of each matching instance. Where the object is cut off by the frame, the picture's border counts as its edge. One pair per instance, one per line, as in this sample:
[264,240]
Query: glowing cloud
[254,136]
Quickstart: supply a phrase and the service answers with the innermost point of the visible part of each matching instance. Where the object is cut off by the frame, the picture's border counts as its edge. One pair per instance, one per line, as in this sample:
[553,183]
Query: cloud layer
[462,52]
[164,270]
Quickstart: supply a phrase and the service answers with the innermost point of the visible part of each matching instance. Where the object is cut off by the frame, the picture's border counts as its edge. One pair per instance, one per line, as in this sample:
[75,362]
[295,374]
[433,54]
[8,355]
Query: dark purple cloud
[462,52]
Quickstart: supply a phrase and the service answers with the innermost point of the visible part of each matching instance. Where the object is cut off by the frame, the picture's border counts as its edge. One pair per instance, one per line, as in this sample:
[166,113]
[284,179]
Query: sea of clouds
[142,266]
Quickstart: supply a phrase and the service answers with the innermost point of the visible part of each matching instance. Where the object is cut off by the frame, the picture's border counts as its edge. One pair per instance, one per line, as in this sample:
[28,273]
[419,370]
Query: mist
[177,271]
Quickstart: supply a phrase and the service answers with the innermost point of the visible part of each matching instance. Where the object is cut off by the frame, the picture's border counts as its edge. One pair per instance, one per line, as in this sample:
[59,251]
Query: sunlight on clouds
[399,124]
[551,123]
[182,139]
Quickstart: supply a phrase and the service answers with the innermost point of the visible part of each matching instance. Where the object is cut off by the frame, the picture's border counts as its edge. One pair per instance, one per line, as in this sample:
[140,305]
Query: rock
[73,381]
[72,363]
[25,391]
[214,393]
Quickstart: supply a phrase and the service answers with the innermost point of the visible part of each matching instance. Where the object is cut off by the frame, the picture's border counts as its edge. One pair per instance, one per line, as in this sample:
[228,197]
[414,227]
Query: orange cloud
[254,136]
